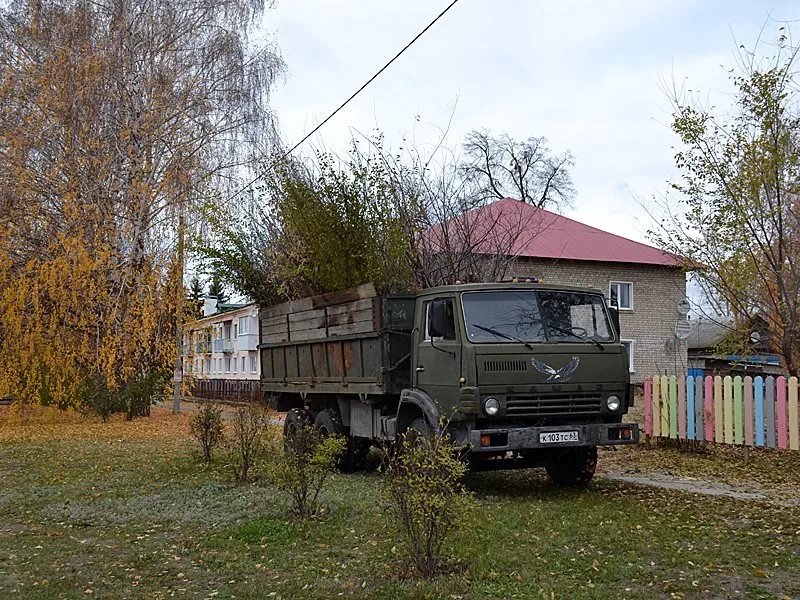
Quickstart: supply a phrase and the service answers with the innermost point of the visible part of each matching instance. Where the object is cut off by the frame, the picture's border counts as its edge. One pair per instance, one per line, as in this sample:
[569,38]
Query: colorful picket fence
[749,411]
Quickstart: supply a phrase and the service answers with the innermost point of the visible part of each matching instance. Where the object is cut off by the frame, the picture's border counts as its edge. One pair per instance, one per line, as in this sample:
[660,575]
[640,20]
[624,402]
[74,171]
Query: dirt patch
[742,491]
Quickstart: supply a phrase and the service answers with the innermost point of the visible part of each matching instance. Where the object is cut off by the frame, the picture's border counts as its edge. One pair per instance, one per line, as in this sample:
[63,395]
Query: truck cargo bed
[352,341]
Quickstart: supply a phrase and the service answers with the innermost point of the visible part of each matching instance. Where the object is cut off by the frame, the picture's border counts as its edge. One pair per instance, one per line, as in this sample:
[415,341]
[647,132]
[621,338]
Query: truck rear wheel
[295,420]
[329,422]
[573,467]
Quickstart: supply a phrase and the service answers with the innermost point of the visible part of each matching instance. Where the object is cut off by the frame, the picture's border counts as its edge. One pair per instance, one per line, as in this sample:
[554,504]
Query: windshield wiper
[585,338]
[502,335]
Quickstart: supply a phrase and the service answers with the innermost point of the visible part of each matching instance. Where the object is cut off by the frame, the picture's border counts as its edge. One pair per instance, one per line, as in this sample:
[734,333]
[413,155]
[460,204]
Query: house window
[621,294]
[244,325]
[253,364]
[235,362]
[628,345]
[227,364]
[243,364]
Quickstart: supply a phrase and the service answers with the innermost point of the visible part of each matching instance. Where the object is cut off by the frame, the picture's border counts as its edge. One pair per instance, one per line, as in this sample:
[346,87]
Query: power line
[358,91]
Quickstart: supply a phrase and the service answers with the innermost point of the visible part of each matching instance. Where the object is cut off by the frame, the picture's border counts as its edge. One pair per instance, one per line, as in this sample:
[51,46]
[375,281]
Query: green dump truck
[525,374]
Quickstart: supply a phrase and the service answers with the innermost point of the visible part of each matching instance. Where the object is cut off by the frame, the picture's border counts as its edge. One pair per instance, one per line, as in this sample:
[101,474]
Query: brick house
[645,283]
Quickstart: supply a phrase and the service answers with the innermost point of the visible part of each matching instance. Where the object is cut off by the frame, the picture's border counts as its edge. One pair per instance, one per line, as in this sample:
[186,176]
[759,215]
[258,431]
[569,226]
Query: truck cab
[521,371]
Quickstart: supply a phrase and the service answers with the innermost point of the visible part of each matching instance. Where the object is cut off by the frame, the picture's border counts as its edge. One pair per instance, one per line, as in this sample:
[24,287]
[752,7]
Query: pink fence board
[794,421]
[749,411]
[709,413]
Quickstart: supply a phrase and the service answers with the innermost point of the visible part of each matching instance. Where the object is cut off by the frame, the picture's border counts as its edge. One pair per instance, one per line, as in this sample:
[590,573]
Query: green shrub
[95,395]
[206,427]
[423,478]
[303,465]
[245,445]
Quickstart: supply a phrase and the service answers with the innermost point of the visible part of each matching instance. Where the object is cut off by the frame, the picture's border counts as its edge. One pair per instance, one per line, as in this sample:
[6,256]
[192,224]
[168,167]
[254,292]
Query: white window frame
[253,363]
[244,325]
[227,364]
[619,283]
[631,354]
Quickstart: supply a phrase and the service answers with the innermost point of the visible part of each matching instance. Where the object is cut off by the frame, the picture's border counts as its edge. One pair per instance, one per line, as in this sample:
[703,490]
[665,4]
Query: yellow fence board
[718,431]
[656,406]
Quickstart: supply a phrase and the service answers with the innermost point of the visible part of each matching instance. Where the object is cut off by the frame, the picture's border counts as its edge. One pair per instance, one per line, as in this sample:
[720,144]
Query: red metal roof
[534,232]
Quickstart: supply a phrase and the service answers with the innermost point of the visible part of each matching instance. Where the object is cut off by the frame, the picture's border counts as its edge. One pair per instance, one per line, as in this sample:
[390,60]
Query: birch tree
[118,118]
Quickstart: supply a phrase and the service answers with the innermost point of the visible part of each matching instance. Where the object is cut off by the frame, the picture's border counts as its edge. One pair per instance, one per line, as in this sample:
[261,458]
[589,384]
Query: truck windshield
[535,316]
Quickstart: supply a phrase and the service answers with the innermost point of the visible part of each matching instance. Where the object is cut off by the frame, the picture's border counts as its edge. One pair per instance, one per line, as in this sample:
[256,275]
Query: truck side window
[449,324]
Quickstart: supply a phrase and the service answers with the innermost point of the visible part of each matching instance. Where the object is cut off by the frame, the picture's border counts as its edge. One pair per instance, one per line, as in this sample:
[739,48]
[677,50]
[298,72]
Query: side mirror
[615,319]
[436,318]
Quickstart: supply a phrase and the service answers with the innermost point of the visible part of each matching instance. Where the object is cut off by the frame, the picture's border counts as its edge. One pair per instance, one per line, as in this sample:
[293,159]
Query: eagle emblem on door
[561,375]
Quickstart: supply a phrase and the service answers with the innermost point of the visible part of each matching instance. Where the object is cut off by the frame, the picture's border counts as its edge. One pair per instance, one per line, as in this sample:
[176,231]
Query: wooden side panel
[648,406]
[690,412]
[656,406]
[758,401]
[794,424]
[769,409]
[748,410]
[780,412]
[738,411]
[321,301]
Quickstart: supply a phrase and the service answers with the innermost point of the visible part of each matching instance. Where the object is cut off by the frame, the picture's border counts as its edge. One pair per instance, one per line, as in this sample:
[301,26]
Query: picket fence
[749,411]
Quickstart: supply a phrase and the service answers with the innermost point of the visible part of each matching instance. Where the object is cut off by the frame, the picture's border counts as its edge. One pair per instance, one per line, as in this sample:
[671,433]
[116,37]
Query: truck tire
[418,429]
[573,467]
[295,420]
[329,422]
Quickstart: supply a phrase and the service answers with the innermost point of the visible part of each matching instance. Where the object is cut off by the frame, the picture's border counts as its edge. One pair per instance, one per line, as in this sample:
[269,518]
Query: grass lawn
[123,510]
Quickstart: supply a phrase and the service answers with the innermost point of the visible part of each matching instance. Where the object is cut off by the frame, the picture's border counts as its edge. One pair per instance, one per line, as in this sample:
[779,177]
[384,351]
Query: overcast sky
[587,75]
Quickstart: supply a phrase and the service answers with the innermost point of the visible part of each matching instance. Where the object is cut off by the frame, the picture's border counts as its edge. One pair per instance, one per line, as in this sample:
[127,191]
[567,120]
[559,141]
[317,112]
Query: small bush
[302,467]
[95,395]
[245,444]
[424,483]
[206,427]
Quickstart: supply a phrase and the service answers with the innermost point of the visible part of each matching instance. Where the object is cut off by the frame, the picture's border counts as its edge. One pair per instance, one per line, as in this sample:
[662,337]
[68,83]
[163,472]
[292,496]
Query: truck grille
[545,406]
[505,366]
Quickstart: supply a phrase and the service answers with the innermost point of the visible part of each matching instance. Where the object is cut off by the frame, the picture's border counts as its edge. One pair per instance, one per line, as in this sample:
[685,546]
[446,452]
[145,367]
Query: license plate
[555,437]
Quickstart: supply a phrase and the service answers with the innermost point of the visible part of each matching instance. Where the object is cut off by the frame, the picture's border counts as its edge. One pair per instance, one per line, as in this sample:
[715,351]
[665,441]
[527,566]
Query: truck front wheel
[573,467]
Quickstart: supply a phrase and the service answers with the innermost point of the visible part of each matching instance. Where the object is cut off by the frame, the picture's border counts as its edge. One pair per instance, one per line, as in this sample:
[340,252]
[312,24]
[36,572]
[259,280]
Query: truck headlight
[613,403]
[491,406]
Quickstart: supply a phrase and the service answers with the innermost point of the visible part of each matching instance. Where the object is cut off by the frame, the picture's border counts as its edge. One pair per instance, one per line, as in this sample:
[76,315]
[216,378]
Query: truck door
[437,368]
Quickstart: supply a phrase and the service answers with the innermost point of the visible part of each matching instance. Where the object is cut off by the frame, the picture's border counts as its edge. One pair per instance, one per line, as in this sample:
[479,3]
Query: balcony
[223,346]
[204,347]
[247,341]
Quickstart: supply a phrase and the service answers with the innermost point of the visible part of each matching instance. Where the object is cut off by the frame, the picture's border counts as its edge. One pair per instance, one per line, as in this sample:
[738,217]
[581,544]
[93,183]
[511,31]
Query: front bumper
[529,438]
